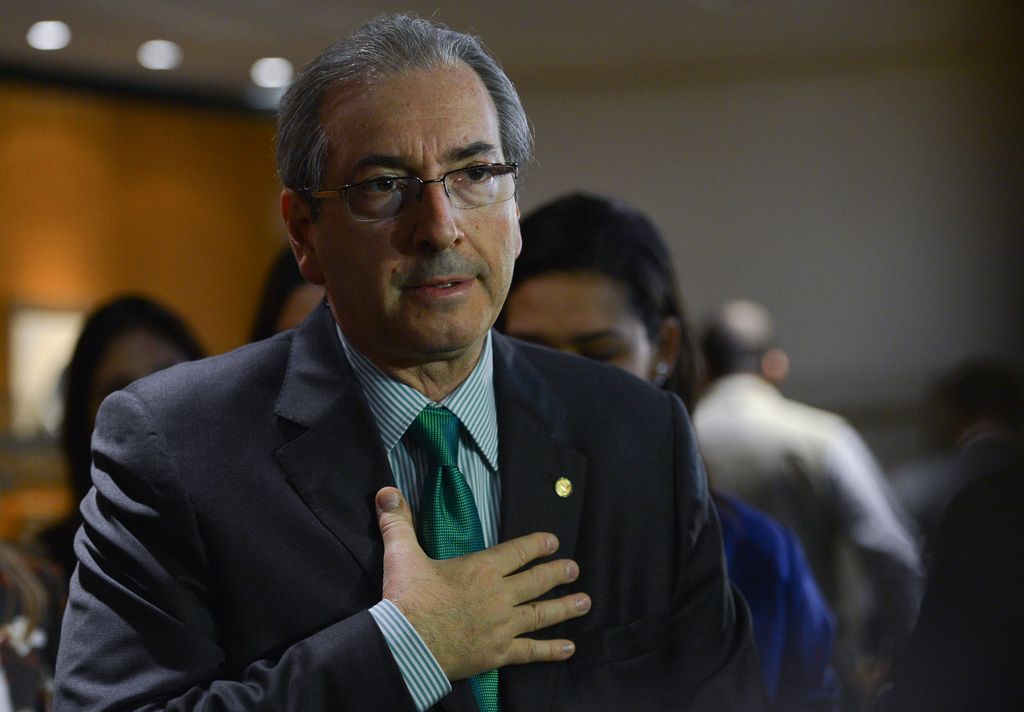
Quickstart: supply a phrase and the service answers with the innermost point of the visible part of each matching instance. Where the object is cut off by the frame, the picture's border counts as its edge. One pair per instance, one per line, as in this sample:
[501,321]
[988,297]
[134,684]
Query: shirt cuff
[423,676]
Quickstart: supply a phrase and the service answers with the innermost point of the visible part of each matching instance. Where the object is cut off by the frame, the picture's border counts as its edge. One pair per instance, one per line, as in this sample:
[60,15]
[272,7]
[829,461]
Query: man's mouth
[443,289]
[445,284]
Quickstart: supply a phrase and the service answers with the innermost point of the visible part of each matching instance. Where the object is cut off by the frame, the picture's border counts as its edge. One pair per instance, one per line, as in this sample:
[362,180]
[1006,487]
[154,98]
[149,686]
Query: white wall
[873,206]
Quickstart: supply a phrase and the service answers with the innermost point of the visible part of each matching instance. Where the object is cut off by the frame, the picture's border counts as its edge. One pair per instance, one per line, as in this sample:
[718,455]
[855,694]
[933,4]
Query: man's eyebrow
[382,160]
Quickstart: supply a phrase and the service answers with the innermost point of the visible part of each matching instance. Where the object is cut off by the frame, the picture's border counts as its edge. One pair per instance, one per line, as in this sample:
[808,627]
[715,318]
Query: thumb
[394,518]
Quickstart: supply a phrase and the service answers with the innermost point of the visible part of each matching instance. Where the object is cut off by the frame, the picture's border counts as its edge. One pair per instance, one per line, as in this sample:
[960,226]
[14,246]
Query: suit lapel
[338,464]
[533,457]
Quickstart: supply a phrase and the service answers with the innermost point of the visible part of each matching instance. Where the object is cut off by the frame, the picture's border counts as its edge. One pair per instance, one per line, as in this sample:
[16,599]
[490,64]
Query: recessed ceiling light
[159,54]
[48,35]
[271,72]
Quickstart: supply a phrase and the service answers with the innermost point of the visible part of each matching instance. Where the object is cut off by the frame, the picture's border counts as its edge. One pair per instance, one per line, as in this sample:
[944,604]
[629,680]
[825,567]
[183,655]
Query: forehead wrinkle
[375,114]
[474,149]
[383,161]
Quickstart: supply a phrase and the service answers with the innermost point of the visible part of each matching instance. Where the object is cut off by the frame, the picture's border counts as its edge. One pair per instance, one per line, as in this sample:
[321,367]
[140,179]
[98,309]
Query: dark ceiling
[537,41]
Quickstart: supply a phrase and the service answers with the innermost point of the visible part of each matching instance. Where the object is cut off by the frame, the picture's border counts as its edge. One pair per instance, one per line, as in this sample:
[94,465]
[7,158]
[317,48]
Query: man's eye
[378,187]
[383,185]
[477,174]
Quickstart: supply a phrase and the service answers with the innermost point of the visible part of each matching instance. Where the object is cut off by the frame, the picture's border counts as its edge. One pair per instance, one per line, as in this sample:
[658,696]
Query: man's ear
[301,232]
[775,365]
[519,233]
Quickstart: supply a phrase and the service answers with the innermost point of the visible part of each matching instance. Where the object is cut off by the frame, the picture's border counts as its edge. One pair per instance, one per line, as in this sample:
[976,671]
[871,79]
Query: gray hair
[385,46]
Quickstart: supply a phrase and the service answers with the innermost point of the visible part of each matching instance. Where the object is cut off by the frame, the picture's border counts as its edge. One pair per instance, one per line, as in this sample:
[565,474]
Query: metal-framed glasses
[470,187]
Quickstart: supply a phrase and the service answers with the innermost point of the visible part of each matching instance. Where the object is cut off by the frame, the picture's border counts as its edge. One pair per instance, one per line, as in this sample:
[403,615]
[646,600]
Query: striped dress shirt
[394,406]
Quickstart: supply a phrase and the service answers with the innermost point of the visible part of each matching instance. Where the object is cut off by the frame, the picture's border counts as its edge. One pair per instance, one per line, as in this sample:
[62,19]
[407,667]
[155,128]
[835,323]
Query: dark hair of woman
[107,323]
[103,327]
[284,277]
[590,234]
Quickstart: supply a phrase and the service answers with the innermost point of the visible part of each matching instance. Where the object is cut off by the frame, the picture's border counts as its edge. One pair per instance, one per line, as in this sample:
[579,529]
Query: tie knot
[436,431]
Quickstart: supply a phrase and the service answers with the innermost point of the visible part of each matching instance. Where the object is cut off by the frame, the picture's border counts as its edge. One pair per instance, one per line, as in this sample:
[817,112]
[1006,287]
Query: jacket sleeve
[141,630]
[870,518]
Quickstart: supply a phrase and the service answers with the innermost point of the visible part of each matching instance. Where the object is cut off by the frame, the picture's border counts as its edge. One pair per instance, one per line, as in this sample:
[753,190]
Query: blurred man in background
[811,470]
[975,415]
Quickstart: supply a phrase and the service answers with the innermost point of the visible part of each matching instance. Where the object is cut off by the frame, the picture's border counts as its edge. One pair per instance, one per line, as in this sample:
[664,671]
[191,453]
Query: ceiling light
[159,54]
[271,72]
[49,34]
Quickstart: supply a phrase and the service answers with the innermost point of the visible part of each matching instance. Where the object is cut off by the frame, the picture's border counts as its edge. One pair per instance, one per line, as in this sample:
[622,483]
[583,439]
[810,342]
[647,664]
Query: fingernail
[582,603]
[568,648]
[552,544]
[390,501]
[572,570]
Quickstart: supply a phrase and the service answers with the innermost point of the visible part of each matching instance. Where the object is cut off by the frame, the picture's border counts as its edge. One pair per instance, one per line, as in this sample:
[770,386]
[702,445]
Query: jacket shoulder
[246,372]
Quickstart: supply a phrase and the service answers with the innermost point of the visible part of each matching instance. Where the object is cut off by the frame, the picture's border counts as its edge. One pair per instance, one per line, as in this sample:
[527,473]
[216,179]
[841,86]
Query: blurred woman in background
[287,298]
[123,340]
[595,278]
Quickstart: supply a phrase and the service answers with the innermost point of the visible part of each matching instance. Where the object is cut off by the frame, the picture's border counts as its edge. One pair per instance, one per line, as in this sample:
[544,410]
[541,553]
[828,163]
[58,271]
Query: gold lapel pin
[563,487]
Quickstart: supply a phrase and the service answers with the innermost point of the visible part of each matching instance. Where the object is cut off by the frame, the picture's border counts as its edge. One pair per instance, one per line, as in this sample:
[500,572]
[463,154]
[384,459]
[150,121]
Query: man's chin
[445,344]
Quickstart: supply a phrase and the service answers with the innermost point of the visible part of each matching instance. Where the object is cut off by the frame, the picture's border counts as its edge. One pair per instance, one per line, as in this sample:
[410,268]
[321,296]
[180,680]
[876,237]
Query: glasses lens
[476,186]
[378,199]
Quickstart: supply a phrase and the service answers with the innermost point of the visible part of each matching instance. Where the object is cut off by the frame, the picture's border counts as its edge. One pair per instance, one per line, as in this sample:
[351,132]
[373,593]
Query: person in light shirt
[810,469]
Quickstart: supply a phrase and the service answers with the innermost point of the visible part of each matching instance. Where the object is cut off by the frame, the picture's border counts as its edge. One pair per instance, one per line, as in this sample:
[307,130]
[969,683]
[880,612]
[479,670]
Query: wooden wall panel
[102,195]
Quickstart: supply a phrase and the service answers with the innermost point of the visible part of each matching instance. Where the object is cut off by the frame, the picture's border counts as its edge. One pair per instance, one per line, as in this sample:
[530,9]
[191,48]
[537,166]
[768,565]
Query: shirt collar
[395,405]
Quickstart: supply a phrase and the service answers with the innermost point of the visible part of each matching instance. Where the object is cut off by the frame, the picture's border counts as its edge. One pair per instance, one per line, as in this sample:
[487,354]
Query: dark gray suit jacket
[230,549]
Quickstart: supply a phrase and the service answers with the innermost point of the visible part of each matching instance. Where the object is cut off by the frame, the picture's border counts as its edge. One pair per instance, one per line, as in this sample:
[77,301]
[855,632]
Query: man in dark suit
[966,650]
[245,544]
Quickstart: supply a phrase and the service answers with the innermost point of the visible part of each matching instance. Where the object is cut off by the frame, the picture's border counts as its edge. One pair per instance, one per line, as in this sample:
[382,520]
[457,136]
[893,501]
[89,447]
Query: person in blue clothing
[595,278]
[793,626]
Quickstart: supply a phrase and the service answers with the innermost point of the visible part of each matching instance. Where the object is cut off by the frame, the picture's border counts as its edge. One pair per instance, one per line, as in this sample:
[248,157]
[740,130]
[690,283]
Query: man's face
[425,285]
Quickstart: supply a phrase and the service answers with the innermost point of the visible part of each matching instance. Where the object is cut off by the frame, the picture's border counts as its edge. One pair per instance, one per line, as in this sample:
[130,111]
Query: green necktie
[448,524]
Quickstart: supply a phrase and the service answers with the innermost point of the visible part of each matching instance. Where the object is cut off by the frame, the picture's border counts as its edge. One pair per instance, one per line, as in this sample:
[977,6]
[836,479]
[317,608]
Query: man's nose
[435,217]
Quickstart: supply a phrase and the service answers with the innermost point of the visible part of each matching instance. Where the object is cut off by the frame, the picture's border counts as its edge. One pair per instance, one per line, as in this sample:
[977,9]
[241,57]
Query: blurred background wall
[101,196]
[865,187]
[873,205]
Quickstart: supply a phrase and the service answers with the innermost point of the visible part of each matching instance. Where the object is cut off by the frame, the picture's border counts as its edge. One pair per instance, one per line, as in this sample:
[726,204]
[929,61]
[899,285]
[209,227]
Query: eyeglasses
[470,187]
